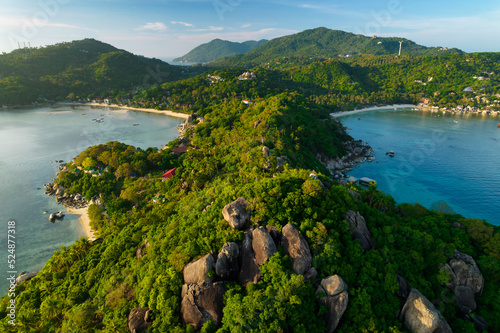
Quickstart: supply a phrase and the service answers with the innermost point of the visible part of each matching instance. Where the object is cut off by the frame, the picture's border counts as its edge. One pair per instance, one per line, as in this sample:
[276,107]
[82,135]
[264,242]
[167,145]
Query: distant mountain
[218,48]
[326,43]
[82,68]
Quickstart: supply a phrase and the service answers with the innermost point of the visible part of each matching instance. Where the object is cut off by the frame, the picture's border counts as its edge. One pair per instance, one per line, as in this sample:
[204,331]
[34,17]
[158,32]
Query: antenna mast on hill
[400,43]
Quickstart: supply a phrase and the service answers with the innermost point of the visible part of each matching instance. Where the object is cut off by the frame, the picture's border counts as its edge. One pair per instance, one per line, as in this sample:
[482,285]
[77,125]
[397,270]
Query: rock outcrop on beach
[67,200]
[357,152]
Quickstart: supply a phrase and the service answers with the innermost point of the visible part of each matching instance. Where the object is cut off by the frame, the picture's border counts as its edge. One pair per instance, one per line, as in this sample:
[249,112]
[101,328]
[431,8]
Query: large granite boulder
[420,316]
[227,261]
[297,248]
[237,213]
[196,272]
[138,320]
[464,300]
[336,306]
[249,270]
[202,303]
[464,271]
[263,245]
[332,285]
[359,230]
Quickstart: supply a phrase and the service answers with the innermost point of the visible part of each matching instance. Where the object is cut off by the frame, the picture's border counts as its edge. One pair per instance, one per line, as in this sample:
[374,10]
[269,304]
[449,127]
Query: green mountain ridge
[218,48]
[82,68]
[326,43]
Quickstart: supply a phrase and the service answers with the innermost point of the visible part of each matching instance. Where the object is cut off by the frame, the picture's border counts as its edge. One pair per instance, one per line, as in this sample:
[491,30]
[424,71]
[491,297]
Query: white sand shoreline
[84,221]
[163,112]
[372,108]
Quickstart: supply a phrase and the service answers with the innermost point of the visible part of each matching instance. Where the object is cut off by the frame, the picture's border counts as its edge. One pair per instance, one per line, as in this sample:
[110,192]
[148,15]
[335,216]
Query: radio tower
[400,43]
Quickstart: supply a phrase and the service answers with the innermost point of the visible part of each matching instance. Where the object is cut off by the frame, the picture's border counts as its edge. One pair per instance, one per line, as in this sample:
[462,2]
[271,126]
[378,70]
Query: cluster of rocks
[466,282]
[68,200]
[357,152]
[335,301]
[205,279]
[280,160]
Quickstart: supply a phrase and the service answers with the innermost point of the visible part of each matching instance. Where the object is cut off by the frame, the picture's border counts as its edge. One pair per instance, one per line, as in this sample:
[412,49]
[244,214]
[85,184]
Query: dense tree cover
[218,48]
[326,43]
[334,85]
[79,69]
[91,287]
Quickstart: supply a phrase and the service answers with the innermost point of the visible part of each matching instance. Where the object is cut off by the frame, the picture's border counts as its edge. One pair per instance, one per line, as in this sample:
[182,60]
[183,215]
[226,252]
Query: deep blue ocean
[30,141]
[454,158]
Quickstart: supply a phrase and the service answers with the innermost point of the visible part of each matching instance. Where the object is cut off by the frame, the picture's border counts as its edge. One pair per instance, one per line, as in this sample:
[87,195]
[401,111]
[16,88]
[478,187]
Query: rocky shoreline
[357,152]
[67,200]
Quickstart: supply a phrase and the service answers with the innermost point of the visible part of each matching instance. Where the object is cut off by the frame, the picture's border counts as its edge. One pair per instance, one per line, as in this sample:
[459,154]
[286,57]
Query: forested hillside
[324,43]
[266,150]
[85,68]
[336,85]
[218,48]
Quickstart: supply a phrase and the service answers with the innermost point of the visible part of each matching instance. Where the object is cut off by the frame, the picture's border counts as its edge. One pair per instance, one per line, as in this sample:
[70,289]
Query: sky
[170,28]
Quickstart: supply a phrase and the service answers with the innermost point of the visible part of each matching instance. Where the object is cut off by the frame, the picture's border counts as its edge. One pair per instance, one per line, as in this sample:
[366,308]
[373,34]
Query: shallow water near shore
[31,141]
[450,157]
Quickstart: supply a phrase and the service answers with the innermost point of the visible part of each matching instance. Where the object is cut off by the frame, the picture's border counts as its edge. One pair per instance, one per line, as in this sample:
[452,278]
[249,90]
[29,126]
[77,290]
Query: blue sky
[170,28]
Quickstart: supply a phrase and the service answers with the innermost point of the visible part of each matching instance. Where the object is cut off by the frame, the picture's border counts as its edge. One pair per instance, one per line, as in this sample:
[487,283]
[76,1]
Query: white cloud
[210,28]
[156,26]
[183,23]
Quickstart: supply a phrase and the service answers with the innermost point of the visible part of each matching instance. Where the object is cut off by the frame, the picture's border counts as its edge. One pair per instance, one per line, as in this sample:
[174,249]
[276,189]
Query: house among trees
[247,76]
[169,174]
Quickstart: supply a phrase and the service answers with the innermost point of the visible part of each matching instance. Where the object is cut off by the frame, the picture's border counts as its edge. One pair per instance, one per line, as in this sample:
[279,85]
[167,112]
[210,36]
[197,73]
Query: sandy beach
[372,108]
[84,221]
[163,112]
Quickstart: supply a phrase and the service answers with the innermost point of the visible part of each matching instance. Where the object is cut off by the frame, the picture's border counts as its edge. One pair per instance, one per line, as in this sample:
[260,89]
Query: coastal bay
[438,157]
[36,138]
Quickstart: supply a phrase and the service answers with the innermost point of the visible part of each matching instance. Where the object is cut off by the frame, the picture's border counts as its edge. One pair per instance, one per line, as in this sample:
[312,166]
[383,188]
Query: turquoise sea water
[455,158]
[30,140]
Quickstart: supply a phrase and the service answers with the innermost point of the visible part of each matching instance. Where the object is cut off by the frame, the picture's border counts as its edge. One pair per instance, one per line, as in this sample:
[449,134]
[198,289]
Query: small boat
[135,125]
[455,121]
[498,125]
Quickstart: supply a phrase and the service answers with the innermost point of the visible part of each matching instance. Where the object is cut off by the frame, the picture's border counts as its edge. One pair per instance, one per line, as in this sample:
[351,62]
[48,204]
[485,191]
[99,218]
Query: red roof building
[169,174]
